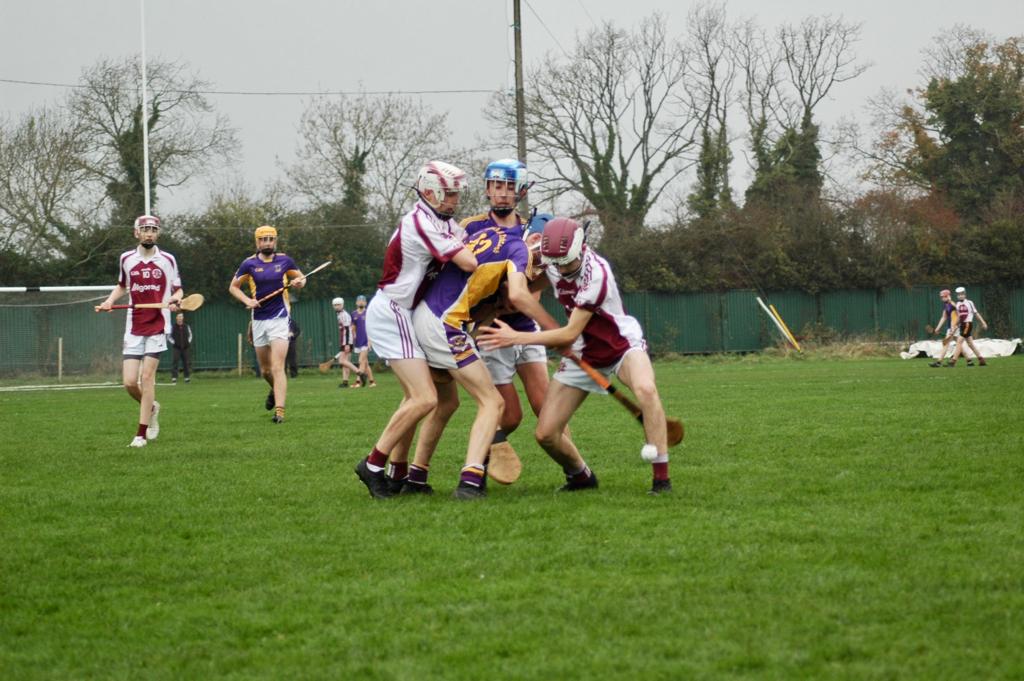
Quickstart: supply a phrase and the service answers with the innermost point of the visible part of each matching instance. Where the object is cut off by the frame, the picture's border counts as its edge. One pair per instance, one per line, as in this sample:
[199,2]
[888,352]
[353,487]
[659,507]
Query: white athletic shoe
[138,441]
[153,429]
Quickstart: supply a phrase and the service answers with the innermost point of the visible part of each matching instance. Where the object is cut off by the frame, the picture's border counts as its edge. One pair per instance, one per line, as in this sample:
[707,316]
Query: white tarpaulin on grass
[988,347]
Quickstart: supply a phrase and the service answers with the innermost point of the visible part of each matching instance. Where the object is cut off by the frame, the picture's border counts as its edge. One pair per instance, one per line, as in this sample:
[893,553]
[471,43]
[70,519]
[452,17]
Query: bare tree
[363,152]
[713,73]
[818,54]
[765,103]
[607,123]
[46,192]
[186,137]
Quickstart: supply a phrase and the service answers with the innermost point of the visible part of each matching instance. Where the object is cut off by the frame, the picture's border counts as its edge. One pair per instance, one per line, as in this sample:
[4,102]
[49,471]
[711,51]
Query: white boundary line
[80,386]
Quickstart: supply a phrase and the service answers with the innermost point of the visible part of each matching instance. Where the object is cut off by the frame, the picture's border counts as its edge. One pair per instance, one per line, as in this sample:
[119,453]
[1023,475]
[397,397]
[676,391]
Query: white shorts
[360,349]
[502,362]
[136,347]
[389,326]
[266,330]
[445,347]
[569,373]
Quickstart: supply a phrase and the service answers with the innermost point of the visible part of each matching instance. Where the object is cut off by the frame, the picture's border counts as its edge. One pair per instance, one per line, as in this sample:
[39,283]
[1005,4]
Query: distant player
[346,335]
[966,312]
[441,323]
[605,336]
[265,272]
[506,184]
[426,238]
[949,317]
[362,344]
[148,275]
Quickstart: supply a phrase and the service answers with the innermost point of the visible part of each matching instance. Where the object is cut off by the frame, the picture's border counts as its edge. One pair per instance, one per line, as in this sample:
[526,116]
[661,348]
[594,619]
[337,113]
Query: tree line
[634,129]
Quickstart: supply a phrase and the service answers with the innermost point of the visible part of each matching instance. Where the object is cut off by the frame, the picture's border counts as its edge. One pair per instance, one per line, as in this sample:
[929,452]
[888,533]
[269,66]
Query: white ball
[649,453]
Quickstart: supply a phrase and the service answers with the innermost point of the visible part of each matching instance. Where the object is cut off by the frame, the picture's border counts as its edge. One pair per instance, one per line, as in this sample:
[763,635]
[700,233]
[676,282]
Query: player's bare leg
[637,373]
[347,367]
[271,359]
[970,344]
[560,403]
[419,399]
[364,367]
[139,379]
[512,415]
[430,434]
[534,376]
[476,379]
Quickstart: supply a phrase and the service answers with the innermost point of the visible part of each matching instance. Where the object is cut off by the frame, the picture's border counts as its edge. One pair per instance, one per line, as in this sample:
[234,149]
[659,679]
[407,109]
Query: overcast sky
[315,45]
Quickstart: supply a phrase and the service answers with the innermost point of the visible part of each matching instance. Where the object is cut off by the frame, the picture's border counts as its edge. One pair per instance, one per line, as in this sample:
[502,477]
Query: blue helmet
[537,223]
[508,170]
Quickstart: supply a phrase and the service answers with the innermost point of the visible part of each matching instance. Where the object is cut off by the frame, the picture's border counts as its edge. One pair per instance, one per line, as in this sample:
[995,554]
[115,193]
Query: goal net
[53,332]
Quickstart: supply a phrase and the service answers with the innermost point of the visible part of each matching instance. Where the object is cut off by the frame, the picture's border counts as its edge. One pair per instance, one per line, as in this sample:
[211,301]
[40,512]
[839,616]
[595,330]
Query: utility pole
[517,27]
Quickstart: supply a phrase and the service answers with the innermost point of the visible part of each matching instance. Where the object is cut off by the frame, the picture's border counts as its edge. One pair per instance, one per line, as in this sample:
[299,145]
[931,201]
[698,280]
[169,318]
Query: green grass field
[831,519]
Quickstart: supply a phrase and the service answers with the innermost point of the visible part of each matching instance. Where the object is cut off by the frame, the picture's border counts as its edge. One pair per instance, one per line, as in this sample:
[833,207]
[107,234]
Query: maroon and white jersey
[965,310]
[610,332]
[421,244]
[148,280]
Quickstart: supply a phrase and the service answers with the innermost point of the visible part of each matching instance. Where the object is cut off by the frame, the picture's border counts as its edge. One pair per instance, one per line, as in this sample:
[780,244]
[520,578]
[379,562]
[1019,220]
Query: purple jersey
[265,278]
[359,321]
[949,309]
[477,223]
[454,293]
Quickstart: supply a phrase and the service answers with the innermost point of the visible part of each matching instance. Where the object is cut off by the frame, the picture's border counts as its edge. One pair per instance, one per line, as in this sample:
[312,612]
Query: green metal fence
[36,339]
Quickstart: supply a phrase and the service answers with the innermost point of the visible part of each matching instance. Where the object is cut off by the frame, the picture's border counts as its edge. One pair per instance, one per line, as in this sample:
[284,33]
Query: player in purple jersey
[265,272]
[441,323]
[362,345]
[507,183]
[949,317]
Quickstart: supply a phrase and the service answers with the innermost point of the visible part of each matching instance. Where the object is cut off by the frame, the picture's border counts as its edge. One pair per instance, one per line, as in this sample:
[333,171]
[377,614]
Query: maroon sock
[377,458]
[399,470]
[579,476]
[141,432]
[660,470]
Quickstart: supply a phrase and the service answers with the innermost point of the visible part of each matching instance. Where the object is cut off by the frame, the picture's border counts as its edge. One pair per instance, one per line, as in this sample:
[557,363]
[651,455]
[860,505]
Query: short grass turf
[831,519]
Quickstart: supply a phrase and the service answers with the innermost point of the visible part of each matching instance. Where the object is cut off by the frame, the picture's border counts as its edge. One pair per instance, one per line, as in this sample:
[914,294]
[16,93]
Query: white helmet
[961,289]
[440,178]
[146,221]
[338,301]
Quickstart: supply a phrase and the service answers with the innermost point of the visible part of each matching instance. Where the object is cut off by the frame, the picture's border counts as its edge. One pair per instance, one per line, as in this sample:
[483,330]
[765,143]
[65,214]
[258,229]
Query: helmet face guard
[149,223]
[562,242]
[441,179]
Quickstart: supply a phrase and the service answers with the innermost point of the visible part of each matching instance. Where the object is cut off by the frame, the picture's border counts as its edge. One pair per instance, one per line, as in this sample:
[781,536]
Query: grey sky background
[313,45]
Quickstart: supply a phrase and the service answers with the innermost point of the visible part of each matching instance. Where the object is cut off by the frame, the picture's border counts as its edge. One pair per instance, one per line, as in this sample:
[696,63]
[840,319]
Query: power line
[587,12]
[546,28]
[270,93]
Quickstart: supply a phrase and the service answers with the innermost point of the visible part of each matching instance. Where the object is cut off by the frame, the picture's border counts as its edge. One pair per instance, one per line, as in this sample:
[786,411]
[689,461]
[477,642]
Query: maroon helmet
[562,241]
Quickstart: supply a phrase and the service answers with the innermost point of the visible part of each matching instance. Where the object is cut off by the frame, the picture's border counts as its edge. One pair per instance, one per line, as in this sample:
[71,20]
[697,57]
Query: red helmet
[562,242]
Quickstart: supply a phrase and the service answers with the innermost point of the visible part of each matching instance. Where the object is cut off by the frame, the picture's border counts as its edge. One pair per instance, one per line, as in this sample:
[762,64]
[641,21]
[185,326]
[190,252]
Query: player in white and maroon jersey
[966,312]
[599,331]
[147,275]
[426,238]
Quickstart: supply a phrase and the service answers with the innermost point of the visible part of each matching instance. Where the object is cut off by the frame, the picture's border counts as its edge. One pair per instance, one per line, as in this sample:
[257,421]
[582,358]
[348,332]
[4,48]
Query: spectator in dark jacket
[181,340]
[293,336]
